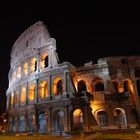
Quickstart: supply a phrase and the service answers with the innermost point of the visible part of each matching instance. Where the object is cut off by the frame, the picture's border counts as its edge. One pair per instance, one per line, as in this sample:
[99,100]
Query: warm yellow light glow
[131,87]
[23,94]
[120,89]
[43,89]
[19,72]
[42,61]
[32,65]
[54,87]
[32,92]
[12,98]
[95,106]
[77,116]
[25,68]
[77,112]
[76,80]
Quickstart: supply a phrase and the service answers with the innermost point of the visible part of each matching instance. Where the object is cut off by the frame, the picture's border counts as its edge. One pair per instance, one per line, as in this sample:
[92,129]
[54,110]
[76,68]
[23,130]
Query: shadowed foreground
[97,136]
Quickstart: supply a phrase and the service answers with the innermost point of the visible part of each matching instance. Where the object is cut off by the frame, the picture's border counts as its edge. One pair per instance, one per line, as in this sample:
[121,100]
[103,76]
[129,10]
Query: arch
[43,89]
[23,95]
[120,117]
[25,68]
[19,72]
[57,86]
[43,121]
[77,119]
[33,65]
[101,117]
[58,120]
[138,87]
[99,86]
[32,88]
[81,86]
[44,60]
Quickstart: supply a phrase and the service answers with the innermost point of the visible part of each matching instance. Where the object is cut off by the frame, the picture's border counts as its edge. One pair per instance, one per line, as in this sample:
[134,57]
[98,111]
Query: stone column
[137,101]
[70,117]
[50,87]
[38,62]
[66,121]
[50,119]
[65,84]
[129,116]
[36,91]
[17,123]
[29,63]
[8,103]
[52,57]
[27,93]
[22,71]
[109,110]
[136,97]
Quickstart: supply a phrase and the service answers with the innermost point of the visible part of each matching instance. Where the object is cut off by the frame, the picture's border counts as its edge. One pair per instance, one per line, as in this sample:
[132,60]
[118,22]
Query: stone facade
[47,97]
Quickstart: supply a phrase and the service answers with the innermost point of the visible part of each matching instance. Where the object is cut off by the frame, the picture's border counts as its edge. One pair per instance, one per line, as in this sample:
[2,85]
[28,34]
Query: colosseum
[45,96]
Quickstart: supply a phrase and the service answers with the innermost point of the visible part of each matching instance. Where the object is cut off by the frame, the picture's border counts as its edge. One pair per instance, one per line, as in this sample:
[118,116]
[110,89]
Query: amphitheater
[46,96]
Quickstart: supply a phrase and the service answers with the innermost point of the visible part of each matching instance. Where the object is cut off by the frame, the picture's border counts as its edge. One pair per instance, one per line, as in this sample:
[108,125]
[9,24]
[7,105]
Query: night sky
[83,31]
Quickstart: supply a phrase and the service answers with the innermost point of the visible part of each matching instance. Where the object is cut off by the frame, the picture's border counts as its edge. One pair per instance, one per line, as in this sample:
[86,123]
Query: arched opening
[116,86]
[23,95]
[43,121]
[120,117]
[33,65]
[126,86]
[99,86]
[32,122]
[22,123]
[58,120]
[77,120]
[138,87]
[19,72]
[43,89]
[102,118]
[25,68]
[58,86]
[44,60]
[32,92]
[81,86]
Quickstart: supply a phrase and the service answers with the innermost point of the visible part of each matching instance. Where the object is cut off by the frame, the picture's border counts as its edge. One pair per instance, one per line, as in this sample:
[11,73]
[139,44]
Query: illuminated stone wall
[45,96]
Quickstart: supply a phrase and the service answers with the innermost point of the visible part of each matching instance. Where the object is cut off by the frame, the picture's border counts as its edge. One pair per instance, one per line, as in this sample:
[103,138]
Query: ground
[97,136]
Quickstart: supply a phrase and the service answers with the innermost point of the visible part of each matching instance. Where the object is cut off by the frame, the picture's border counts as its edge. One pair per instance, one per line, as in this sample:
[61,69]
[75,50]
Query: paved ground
[96,136]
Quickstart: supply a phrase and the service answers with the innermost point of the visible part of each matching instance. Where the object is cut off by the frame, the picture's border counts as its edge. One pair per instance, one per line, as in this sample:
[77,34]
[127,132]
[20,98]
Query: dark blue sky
[83,31]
